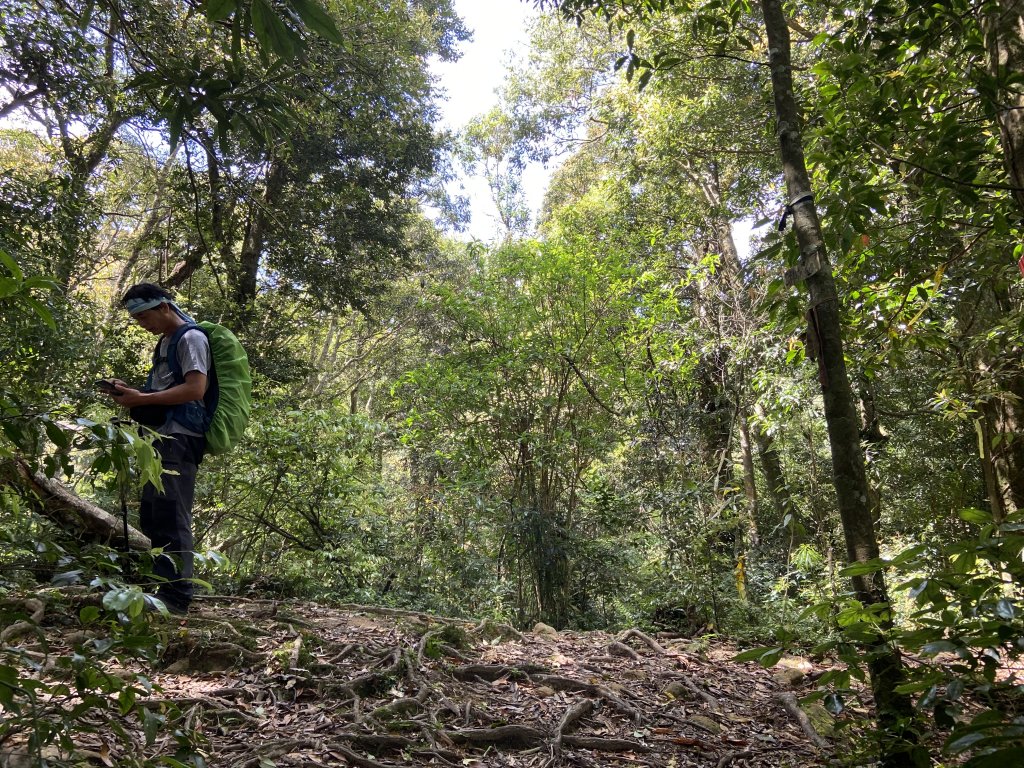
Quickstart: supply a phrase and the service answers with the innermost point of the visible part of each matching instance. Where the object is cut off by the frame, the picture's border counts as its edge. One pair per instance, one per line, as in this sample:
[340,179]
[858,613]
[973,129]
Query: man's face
[153,320]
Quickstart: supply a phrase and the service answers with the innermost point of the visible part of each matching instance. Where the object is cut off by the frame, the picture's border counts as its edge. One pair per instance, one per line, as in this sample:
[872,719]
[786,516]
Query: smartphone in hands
[106,387]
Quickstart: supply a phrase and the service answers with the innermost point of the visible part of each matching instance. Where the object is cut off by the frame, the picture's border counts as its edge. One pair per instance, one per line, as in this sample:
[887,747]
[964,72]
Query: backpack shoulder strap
[172,352]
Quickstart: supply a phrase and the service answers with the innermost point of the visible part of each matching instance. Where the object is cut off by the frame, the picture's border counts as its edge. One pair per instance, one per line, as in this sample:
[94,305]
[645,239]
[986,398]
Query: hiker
[177,412]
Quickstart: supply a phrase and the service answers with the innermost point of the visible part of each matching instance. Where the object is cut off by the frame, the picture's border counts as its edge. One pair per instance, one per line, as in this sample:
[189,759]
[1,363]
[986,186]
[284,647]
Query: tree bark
[749,485]
[1003,24]
[774,474]
[256,237]
[849,476]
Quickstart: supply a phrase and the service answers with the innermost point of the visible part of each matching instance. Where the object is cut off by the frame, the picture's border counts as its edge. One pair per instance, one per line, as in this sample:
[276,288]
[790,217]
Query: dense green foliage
[613,418]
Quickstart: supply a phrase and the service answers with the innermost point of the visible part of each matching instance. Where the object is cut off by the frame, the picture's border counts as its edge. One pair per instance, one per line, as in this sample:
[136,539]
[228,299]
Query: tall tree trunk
[1003,24]
[849,477]
[749,484]
[256,236]
[774,475]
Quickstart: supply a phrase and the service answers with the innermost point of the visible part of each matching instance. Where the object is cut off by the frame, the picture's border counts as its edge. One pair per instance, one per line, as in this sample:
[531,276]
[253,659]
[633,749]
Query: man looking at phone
[175,409]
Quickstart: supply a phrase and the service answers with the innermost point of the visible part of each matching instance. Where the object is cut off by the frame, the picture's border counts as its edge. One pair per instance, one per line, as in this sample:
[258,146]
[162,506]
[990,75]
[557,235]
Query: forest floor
[264,683]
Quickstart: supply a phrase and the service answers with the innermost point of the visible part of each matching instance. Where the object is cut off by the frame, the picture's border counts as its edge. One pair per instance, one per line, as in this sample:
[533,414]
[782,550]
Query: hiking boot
[154,604]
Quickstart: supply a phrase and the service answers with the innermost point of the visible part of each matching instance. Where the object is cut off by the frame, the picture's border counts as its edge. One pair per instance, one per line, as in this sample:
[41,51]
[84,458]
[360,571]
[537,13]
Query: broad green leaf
[217,10]
[973,515]
[834,703]
[88,614]
[1005,609]
[151,724]
[271,31]
[317,19]
[862,569]
[12,266]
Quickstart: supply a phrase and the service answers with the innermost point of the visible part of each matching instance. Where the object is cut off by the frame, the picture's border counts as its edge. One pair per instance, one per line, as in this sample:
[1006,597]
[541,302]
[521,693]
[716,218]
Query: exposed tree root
[508,736]
[369,692]
[792,706]
[34,606]
[699,692]
[647,640]
[621,649]
[566,684]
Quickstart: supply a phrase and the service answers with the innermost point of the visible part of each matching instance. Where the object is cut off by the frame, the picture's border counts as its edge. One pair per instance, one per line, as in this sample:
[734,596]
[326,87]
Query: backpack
[228,395]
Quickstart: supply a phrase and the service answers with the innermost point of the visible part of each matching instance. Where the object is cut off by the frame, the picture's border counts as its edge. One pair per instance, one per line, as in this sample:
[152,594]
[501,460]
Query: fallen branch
[502,630]
[792,706]
[486,672]
[69,510]
[354,758]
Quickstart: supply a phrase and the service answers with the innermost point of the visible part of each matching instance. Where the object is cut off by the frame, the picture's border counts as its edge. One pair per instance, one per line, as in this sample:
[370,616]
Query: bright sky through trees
[500,34]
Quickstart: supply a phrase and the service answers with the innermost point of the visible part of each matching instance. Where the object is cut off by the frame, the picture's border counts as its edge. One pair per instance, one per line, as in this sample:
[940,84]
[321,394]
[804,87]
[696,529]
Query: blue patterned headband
[135,306]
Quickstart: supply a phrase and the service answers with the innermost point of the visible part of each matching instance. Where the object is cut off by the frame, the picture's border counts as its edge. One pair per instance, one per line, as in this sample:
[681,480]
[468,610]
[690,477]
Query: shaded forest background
[613,415]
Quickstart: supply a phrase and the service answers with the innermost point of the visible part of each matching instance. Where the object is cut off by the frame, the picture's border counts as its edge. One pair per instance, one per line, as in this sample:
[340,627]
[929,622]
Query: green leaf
[317,19]
[88,614]
[1005,609]
[9,686]
[972,515]
[1000,759]
[766,657]
[128,600]
[42,312]
[834,703]
[11,265]
[216,10]
[151,723]
[270,30]
[961,743]
[56,435]
[862,569]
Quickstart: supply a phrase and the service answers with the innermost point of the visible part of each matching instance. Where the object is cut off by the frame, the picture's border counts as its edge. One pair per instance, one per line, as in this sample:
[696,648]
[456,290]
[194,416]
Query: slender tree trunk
[852,491]
[256,236]
[1003,24]
[749,484]
[774,475]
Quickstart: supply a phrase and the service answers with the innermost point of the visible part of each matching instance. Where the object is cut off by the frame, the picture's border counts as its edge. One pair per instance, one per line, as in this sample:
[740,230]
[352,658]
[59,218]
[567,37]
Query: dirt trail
[264,683]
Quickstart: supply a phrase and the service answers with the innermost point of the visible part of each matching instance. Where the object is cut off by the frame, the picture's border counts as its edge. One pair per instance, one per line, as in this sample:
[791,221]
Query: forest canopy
[754,372]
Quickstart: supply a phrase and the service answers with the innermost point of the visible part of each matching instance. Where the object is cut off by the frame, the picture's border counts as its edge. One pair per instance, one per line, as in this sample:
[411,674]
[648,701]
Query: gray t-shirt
[193,354]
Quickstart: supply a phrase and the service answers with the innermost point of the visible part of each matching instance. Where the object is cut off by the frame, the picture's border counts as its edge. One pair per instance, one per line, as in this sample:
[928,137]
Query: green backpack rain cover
[231,387]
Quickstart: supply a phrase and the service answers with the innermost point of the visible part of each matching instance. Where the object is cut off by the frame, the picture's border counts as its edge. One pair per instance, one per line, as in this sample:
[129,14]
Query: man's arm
[193,388]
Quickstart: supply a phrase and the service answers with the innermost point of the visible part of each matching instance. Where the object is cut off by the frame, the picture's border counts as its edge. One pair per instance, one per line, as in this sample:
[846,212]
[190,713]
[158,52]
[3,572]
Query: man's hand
[193,388]
[127,396]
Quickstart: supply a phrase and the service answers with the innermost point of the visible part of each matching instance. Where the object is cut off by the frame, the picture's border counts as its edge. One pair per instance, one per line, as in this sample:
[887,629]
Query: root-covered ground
[260,683]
